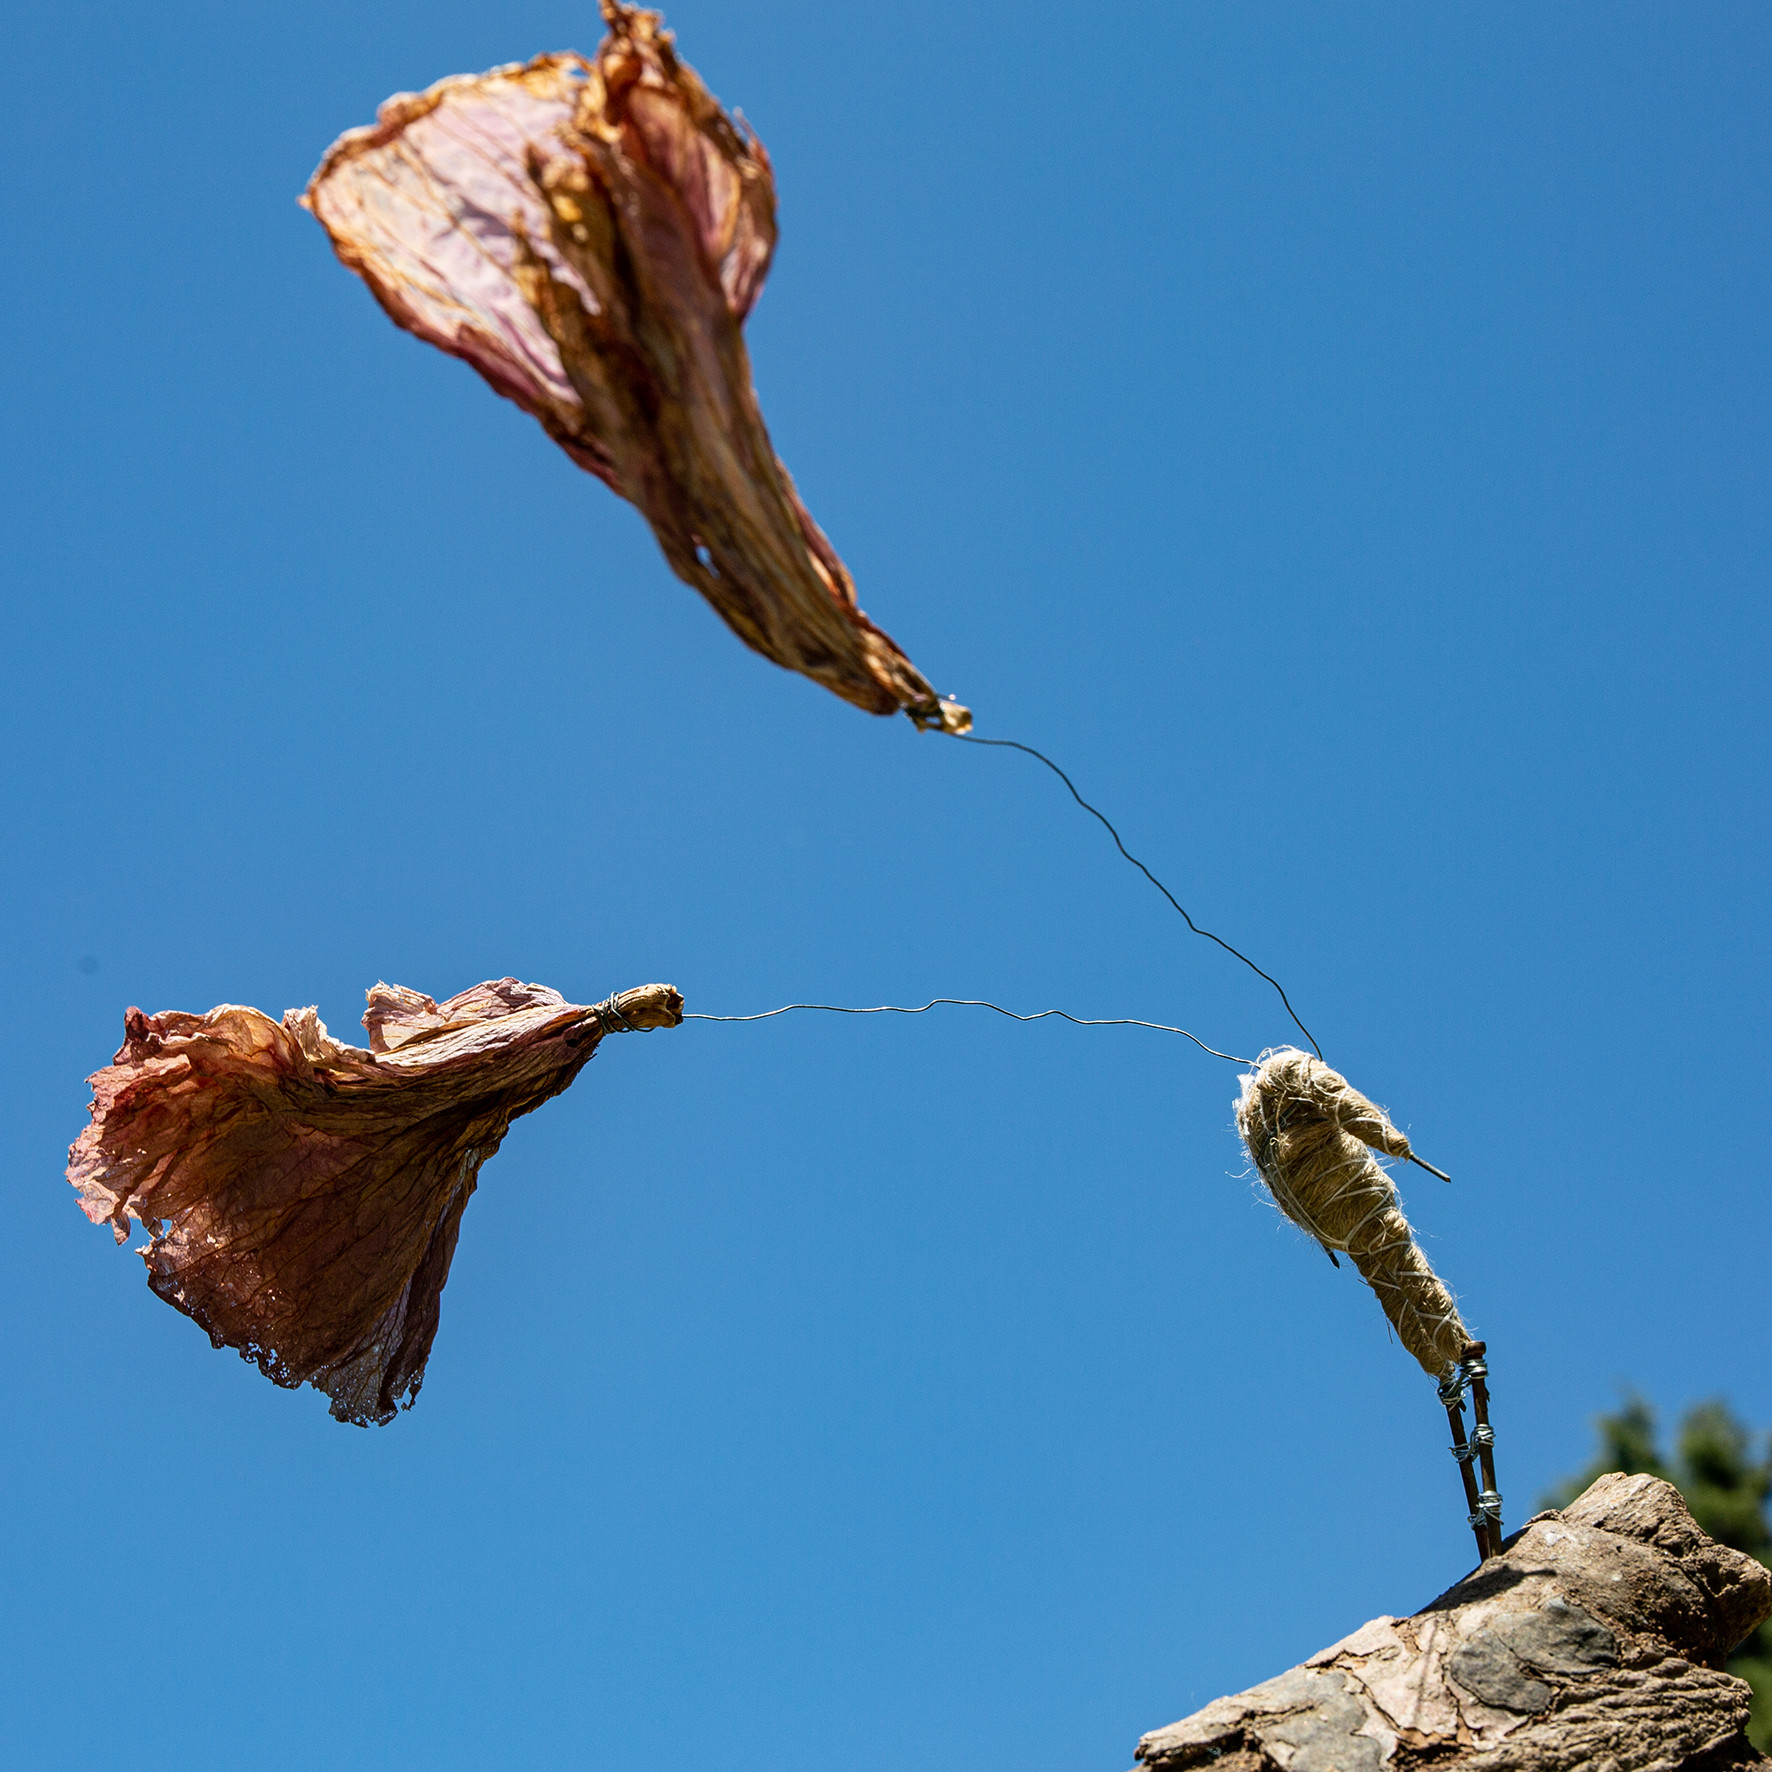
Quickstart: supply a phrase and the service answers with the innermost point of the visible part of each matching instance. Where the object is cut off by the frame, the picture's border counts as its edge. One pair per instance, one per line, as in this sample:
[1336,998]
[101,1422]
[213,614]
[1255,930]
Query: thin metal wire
[1009,744]
[980,1003]
[610,1017]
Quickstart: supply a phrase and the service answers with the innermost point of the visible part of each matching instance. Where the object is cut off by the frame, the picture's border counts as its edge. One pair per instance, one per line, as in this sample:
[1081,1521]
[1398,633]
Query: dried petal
[304,1196]
[590,235]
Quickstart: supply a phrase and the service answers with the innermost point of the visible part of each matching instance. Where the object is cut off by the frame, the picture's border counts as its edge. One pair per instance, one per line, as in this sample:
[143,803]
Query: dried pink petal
[590,235]
[304,1196]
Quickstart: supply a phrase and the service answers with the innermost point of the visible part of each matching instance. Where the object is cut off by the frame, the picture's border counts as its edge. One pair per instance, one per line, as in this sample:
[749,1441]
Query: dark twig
[1476,1369]
[1452,1395]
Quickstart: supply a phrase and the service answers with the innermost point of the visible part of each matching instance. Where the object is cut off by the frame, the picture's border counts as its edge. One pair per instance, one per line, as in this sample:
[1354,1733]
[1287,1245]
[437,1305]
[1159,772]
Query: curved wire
[980,1003]
[1009,744]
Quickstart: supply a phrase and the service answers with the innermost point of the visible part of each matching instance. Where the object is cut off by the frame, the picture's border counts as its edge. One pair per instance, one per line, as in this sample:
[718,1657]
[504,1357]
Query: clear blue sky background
[1340,435]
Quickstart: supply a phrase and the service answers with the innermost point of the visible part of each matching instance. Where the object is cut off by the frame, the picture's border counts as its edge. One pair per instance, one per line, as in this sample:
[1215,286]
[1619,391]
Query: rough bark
[1594,1643]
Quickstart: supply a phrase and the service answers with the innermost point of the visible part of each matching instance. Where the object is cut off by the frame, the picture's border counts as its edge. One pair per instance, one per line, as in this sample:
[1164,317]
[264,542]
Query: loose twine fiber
[1312,1135]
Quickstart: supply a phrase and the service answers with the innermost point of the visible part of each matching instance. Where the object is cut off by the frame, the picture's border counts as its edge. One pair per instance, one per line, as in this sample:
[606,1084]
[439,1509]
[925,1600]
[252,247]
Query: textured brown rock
[1594,1642]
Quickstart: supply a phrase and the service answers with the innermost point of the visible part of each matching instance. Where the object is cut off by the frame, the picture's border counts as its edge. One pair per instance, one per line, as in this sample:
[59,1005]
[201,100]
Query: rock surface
[1594,1643]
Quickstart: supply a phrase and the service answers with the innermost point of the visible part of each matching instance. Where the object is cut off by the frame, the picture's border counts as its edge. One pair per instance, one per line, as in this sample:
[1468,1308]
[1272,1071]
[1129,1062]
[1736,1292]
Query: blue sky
[1338,435]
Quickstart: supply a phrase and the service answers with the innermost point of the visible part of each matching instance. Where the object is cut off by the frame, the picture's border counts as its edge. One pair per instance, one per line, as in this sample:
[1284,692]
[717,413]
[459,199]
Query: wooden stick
[1476,1369]
[1452,1395]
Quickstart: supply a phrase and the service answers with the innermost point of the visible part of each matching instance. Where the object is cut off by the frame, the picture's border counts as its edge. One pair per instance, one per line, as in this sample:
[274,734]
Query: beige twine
[1312,1135]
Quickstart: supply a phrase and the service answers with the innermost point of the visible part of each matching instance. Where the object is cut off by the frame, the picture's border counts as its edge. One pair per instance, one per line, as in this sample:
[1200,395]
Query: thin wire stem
[1009,744]
[980,1003]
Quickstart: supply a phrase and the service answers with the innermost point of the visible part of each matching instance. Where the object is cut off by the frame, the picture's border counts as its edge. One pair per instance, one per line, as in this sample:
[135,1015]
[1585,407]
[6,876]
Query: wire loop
[610,1018]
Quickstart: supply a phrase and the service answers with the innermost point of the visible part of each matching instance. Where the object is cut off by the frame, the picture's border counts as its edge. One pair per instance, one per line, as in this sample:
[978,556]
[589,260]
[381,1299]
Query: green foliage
[1726,1488]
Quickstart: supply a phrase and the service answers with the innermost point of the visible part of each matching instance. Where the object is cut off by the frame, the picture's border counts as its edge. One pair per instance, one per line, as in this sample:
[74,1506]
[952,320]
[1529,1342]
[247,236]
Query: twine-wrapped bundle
[1312,1135]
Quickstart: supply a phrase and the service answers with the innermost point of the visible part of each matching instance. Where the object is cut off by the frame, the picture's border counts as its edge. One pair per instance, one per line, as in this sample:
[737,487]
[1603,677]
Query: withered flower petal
[304,1196]
[590,235]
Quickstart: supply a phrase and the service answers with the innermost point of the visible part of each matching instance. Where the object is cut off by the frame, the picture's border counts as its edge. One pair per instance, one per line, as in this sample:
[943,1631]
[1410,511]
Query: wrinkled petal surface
[431,206]
[304,1196]
[590,235]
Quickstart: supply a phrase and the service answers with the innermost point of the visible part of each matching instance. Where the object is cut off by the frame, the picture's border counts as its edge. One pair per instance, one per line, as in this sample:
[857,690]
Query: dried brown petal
[590,235]
[303,1195]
